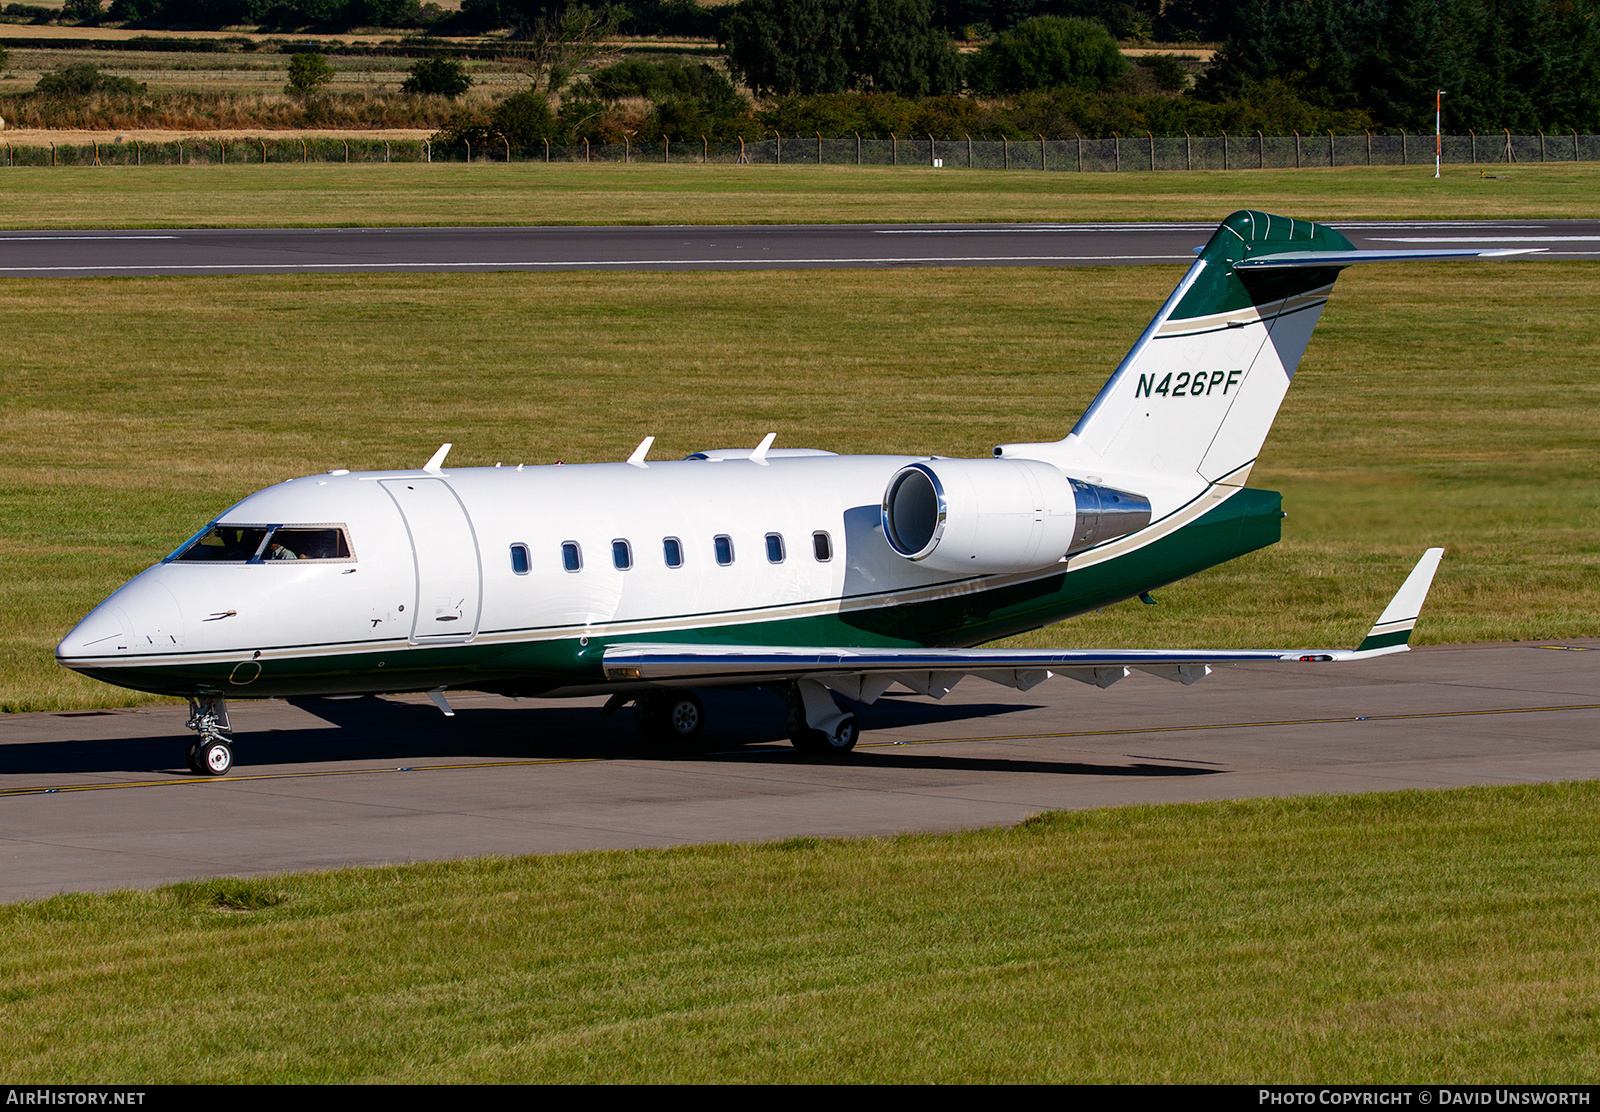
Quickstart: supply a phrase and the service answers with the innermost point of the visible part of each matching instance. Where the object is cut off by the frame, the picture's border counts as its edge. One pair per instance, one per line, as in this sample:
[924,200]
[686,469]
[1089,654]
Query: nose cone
[141,618]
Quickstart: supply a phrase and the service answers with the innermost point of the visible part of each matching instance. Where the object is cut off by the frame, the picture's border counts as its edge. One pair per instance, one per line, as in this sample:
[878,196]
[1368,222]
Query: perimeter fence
[1147,153]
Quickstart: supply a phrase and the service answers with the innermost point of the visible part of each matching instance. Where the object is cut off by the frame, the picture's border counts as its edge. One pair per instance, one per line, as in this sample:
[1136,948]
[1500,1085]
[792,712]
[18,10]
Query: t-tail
[1191,404]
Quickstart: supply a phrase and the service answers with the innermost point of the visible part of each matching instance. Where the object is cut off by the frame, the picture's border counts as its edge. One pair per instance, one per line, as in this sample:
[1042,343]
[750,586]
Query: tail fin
[1198,393]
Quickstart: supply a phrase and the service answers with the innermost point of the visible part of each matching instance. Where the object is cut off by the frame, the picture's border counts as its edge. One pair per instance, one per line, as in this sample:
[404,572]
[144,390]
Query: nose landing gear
[211,754]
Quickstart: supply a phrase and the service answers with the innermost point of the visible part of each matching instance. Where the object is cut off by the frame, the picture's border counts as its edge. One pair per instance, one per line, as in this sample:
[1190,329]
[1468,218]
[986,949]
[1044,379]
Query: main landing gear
[211,754]
[816,723]
[676,716]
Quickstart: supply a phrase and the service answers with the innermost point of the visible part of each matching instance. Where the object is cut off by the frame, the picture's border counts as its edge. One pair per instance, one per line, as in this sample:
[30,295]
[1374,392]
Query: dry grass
[1461,412]
[521,193]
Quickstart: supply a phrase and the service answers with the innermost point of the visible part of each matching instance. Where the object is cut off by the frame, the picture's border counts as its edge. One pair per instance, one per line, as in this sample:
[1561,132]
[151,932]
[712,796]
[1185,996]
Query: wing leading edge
[866,673]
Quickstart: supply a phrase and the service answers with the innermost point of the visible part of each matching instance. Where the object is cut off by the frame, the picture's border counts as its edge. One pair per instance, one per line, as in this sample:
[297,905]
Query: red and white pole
[1438,142]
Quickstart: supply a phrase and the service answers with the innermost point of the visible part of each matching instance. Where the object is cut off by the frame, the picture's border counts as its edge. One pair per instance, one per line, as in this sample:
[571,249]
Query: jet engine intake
[992,516]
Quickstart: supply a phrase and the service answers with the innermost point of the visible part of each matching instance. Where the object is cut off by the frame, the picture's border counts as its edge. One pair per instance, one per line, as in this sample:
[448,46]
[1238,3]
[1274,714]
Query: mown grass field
[1416,937]
[1455,405]
[521,193]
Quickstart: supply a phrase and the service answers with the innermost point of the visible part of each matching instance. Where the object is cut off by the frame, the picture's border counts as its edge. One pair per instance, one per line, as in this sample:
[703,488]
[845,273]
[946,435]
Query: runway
[96,800]
[105,253]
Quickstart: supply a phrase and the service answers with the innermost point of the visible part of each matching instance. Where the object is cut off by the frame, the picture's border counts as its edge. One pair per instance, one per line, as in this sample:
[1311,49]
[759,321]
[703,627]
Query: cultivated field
[1417,937]
[524,193]
[1458,410]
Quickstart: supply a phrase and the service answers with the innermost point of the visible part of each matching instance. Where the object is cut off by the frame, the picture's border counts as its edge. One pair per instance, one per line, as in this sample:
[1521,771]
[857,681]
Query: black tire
[192,758]
[685,716]
[214,758]
[841,741]
[670,716]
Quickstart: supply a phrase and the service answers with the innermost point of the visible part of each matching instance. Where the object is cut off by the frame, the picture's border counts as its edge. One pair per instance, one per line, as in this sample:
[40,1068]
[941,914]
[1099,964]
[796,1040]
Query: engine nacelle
[992,516]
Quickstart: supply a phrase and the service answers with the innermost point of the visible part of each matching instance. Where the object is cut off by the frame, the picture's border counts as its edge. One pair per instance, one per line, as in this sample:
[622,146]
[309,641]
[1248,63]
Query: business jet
[815,575]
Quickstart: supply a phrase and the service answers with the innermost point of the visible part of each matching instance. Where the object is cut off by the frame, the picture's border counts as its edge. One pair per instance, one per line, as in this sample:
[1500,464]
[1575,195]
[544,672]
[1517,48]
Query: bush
[438,77]
[81,80]
[83,11]
[307,73]
[1048,53]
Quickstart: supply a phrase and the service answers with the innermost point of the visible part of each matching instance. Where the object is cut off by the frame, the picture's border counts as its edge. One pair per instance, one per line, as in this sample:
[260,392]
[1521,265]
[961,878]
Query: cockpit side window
[244,544]
[293,542]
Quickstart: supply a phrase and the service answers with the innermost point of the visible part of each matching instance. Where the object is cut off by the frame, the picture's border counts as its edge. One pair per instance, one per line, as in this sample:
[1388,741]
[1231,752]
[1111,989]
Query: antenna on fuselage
[637,459]
[760,454]
[436,461]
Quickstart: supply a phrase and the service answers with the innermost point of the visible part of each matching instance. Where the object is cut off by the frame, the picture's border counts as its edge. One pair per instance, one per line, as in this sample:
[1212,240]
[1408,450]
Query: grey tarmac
[100,253]
[98,800]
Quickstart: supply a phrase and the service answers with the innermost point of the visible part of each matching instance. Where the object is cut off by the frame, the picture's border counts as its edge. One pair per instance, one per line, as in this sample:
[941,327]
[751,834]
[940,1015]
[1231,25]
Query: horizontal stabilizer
[1322,260]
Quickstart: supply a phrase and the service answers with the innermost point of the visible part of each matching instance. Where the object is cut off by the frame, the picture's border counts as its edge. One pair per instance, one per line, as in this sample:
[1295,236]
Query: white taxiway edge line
[759,263]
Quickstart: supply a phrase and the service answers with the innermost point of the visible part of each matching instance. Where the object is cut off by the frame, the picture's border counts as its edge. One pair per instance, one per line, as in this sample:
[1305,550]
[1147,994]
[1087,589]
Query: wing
[866,673]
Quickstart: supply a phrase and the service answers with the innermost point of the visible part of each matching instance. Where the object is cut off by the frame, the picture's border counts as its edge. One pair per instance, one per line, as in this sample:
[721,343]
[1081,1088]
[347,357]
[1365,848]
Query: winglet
[637,459]
[760,454]
[436,461]
[1394,625]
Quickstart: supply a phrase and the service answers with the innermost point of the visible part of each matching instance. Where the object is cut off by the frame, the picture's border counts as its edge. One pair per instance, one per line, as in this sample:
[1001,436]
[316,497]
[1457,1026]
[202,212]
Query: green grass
[248,196]
[1415,937]
[1458,410]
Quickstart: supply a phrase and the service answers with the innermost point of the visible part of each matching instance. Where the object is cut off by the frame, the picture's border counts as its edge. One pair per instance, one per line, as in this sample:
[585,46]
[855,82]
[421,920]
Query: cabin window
[724,548]
[672,552]
[774,548]
[520,562]
[622,555]
[822,546]
[571,556]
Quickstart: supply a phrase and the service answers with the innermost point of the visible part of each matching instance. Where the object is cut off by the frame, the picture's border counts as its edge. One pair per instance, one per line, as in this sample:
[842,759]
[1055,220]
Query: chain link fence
[1134,154]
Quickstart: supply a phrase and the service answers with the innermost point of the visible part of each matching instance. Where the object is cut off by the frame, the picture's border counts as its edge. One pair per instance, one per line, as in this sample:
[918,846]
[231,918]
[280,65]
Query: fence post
[53,153]
[138,152]
[1296,150]
[858,148]
[1224,150]
[777,147]
[969,148]
[346,150]
[263,152]
[1044,163]
[547,152]
[1574,144]
[1540,130]
[1005,148]
[385,151]
[1152,137]
[1080,153]
[97,152]
[1405,159]
[508,149]
[1474,135]
[1331,162]
[586,148]
[222,153]
[305,153]
[666,150]
[427,152]
[819,148]
[894,149]
[468,142]
[1369,148]
[705,150]
[1116,147]
[1188,152]
[1511,155]
[1261,151]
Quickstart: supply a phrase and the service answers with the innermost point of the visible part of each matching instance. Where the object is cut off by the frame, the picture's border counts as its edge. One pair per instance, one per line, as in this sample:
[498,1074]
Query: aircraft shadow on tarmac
[742,725]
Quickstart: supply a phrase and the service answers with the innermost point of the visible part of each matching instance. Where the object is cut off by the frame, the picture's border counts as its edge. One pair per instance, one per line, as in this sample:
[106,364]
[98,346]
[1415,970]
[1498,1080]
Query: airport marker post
[1438,141]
